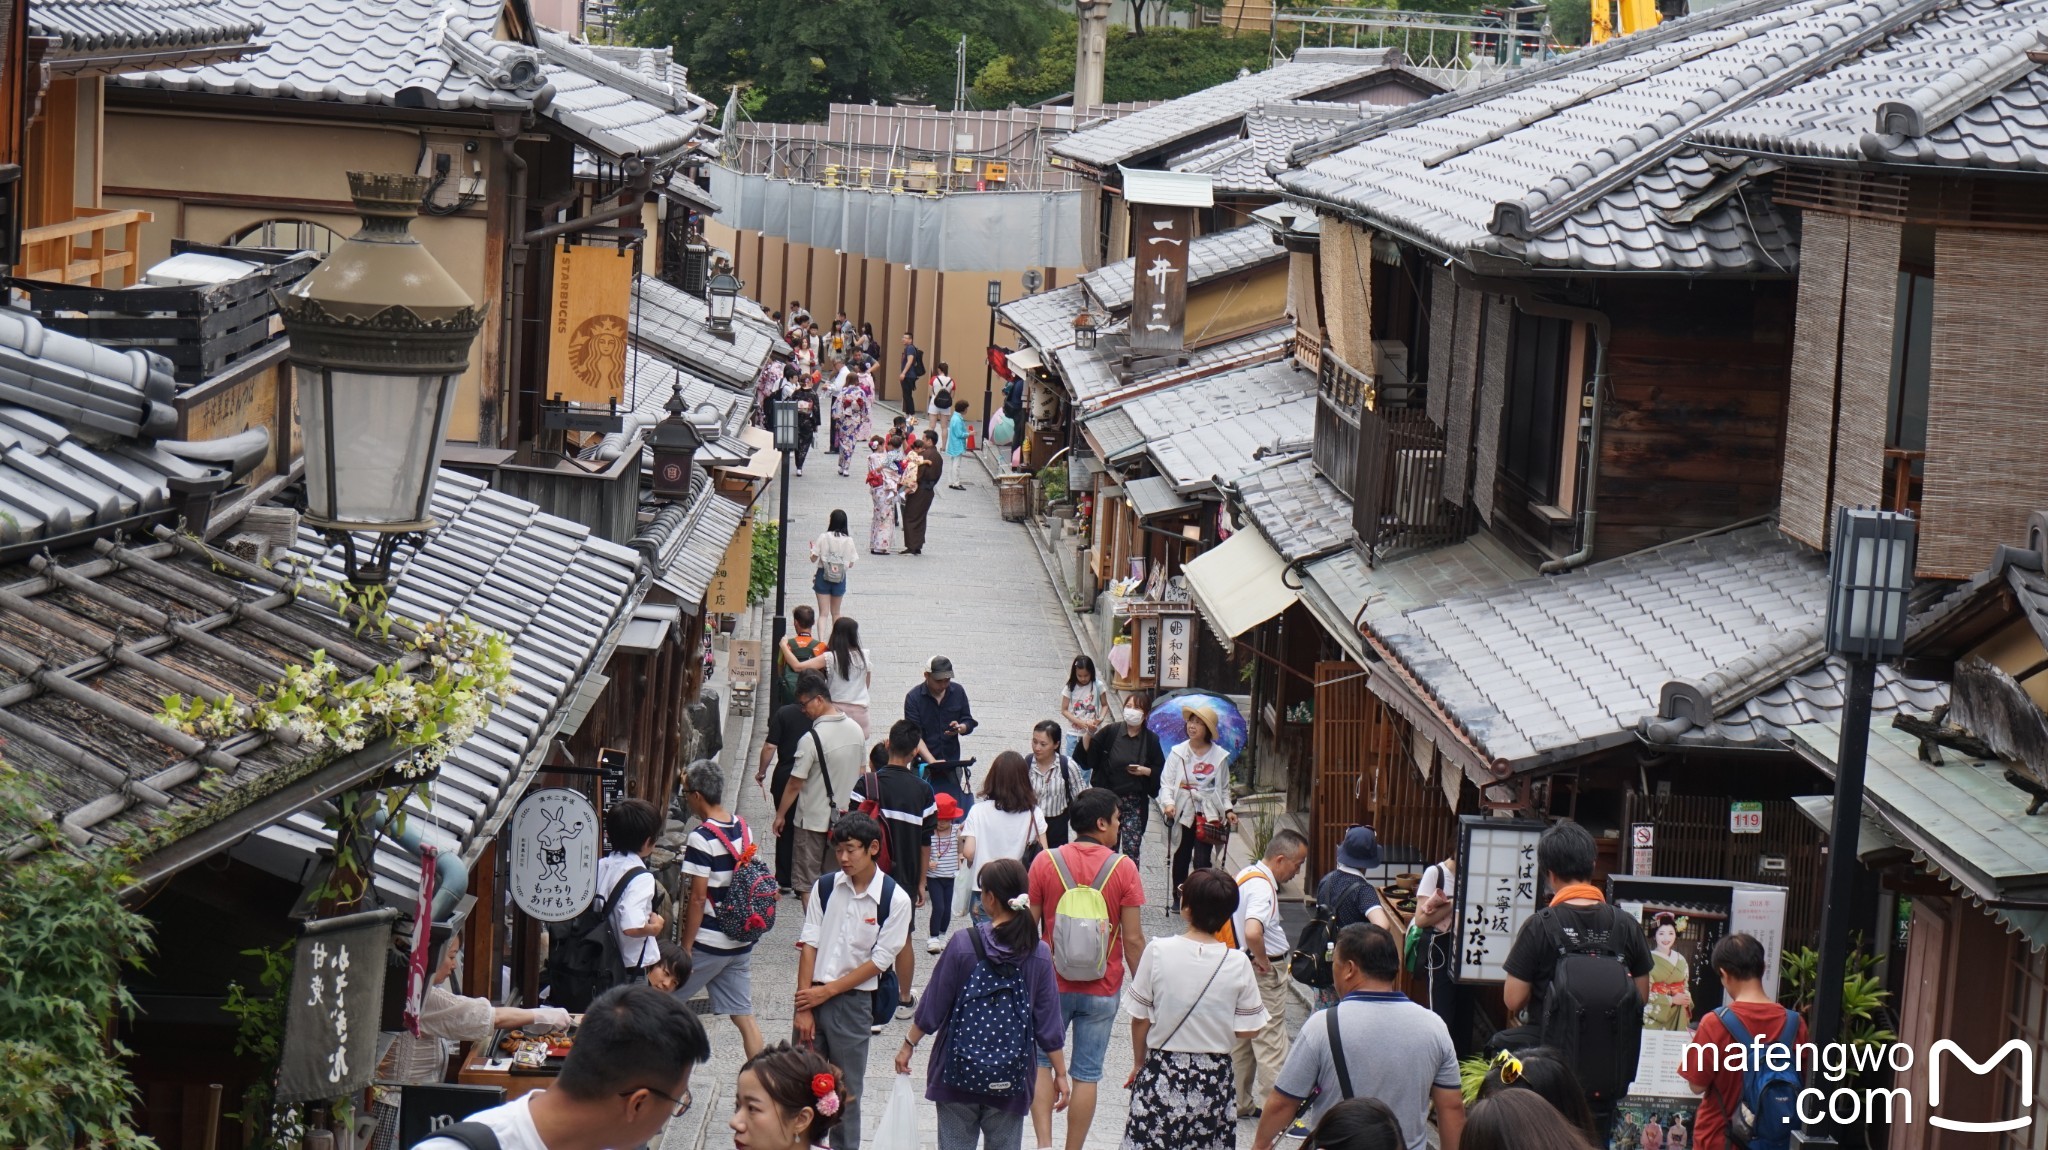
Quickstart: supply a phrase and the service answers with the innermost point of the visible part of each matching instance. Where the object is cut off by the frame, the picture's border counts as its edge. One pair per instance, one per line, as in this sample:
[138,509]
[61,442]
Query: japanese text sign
[1159,291]
[337,1001]
[1176,650]
[553,844]
[1497,890]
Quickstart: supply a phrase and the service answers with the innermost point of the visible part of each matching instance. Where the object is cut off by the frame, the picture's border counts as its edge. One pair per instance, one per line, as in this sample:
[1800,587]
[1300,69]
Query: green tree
[802,58]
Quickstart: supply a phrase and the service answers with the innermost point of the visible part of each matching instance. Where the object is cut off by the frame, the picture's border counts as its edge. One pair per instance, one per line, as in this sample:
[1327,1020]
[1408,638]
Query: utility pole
[1091,52]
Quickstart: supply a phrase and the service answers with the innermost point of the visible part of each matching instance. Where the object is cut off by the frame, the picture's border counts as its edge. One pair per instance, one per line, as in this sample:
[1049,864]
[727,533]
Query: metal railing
[1398,503]
[1426,39]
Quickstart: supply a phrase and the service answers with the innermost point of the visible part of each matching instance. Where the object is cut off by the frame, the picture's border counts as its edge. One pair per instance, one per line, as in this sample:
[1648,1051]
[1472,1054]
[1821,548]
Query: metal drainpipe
[1525,299]
[639,182]
[509,125]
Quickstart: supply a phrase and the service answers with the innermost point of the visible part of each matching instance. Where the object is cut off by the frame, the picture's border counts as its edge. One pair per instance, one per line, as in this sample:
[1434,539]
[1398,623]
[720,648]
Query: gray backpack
[1082,931]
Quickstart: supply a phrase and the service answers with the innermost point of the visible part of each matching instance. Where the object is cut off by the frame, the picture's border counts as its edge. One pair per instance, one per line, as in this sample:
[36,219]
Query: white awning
[1169,189]
[1024,359]
[1237,584]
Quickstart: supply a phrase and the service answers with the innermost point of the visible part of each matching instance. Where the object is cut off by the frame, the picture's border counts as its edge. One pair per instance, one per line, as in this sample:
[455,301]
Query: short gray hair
[1284,843]
[706,778]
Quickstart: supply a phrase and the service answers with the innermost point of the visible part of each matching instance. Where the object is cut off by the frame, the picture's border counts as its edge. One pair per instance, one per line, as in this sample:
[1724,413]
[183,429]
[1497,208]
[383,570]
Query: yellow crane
[1632,15]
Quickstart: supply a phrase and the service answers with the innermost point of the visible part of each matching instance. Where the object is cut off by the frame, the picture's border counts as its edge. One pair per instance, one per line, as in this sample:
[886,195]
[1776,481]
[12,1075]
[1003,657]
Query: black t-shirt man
[1584,926]
[786,730]
[910,817]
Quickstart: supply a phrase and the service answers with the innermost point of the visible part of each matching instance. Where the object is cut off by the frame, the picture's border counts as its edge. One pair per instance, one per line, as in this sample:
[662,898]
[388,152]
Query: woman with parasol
[1194,790]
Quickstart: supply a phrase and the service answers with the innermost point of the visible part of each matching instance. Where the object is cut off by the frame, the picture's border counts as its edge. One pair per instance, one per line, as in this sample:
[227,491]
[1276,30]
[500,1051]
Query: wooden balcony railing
[1902,479]
[1397,503]
[1308,350]
[86,250]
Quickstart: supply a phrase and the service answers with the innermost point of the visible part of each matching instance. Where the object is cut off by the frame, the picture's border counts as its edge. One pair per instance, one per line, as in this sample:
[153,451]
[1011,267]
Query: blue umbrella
[1167,722]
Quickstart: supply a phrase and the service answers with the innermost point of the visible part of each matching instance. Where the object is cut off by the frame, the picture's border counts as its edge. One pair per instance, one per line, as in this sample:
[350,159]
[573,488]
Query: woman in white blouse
[1196,781]
[848,670]
[1191,999]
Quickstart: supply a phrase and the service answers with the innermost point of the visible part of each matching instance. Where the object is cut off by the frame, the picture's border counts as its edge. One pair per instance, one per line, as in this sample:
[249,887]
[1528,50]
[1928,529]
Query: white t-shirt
[828,549]
[939,383]
[1435,878]
[512,1123]
[1257,898]
[1168,986]
[853,687]
[1085,700]
[635,906]
[998,834]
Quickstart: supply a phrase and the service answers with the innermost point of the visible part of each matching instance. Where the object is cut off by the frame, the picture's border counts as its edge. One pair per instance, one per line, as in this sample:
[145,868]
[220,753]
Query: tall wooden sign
[1159,295]
[588,324]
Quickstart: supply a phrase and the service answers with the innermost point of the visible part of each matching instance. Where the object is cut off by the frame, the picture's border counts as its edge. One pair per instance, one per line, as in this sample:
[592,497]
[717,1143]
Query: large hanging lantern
[380,333]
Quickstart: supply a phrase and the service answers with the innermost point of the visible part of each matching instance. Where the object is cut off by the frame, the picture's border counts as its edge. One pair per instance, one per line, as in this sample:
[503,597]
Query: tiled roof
[1584,163]
[1815,695]
[444,55]
[1956,89]
[1271,132]
[1211,429]
[674,324]
[1311,72]
[1046,320]
[556,590]
[686,542]
[1092,380]
[1549,669]
[140,27]
[1296,509]
[1210,257]
[1341,589]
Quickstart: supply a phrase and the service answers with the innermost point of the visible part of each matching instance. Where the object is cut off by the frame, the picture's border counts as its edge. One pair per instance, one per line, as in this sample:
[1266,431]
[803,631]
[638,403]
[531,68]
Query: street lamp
[788,431]
[380,333]
[1084,332]
[675,442]
[988,383]
[1869,577]
[722,292]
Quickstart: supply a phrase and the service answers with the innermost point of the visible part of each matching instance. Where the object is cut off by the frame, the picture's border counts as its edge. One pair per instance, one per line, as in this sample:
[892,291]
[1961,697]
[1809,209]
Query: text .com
[1841,1104]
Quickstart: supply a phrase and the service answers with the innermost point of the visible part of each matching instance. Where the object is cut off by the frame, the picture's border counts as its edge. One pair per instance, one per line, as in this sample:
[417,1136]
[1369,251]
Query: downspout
[1596,390]
[509,126]
[451,874]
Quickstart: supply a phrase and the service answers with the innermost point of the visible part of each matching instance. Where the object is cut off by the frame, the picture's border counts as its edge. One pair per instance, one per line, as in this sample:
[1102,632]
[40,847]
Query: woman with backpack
[991,1004]
[834,555]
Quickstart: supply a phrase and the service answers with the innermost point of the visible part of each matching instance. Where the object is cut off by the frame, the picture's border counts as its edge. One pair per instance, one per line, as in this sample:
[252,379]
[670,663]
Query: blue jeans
[1092,1016]
[939,892]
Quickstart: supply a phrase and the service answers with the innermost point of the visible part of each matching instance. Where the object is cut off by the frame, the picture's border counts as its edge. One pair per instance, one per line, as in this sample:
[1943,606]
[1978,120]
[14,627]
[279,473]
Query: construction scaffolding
[1508,35]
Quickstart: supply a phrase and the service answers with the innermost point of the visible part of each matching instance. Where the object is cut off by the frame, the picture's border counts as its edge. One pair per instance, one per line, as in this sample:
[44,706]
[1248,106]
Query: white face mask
[1133,716]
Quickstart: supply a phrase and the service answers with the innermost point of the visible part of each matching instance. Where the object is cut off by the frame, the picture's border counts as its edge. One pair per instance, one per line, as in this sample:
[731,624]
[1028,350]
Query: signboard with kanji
[1176,650]
[553,845]
[336,1004]
[1147,646]
[1159,297]
[1497,891]
[1642,849]
[728,593]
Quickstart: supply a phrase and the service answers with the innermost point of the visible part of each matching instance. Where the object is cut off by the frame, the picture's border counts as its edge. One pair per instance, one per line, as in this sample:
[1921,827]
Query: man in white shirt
[618,1087]
[818,792]
[854,927]
[1257,1060]
[630,826]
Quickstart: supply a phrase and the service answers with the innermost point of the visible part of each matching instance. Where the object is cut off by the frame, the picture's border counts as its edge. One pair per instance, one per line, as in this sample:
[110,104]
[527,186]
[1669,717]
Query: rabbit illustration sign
[553,841]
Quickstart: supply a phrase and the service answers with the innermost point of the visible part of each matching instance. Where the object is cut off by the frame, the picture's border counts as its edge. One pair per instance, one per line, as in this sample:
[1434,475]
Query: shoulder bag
[1160,1046]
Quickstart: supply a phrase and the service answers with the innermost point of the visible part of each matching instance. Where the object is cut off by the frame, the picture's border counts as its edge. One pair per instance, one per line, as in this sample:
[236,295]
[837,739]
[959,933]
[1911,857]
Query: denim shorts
[823,586]
[1092,1016]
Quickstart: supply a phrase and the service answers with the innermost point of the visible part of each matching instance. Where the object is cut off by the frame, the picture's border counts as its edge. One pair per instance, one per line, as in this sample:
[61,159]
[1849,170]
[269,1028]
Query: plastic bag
[899,1120]
[964,895]
[1004,431]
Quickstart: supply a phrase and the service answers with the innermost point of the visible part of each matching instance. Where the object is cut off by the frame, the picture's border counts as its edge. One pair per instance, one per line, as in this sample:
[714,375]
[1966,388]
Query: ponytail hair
[1005,879]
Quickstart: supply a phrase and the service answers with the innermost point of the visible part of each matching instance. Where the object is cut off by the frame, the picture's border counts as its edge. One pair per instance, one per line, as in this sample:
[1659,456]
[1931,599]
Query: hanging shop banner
[587,324]
[728,592]
[1176,650]
[337,1001]
[1159,290]
[1497,891]
[553,845]
[420,958]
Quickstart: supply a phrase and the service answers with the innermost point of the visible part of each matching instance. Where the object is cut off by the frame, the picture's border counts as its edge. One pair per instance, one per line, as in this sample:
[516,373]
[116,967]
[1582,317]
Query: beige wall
[1251,302]
[207,177]
[946,312]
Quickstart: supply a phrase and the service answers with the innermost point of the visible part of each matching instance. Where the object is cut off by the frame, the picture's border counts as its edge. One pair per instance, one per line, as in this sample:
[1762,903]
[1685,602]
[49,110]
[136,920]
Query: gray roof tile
[140,27]
[1209,429]
[675,325]
[1311,72]
[1296,509]
[1271,132]
[1092,380]
[1046,320]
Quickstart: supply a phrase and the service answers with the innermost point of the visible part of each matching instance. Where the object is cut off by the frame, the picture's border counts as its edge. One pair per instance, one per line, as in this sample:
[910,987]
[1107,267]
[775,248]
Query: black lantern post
[1869,577]
[380,333]
[723,293]
[674,442]
[788,432]
[988,386]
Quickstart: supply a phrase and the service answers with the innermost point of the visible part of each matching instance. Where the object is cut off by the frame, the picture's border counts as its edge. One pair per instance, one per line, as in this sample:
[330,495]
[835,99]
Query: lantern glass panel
[1870,577]
[995,293]
[373,443]
[787,433]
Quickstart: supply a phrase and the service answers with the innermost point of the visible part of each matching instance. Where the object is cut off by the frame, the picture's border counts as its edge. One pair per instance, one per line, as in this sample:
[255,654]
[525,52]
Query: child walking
[956,442]
[938,882]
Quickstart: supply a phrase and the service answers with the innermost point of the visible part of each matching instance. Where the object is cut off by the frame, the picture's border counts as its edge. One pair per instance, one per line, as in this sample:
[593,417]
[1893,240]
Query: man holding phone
[940,709]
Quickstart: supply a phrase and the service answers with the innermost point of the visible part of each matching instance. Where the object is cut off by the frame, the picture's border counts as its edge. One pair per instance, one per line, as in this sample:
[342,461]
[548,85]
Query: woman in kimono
[1670,1005]
[850,417]
[884,482]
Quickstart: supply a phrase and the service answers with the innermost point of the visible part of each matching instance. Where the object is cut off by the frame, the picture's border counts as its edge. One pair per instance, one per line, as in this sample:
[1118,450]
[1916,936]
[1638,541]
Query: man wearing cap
[940,709]
[1348,891]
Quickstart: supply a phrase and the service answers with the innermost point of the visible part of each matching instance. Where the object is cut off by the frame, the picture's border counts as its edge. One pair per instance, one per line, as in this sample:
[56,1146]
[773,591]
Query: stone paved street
[979,594]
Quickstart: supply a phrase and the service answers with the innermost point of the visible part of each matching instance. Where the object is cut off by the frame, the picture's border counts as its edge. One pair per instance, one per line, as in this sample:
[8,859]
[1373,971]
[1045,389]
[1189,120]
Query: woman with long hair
[1191,999]
[1358,1124]
[1519,1120]
[884,482]
[847,666]
[1084,706]
[833,554]
[1545,1072]
[1196,782]
[788,1098]
[1005,824]
[1004,947]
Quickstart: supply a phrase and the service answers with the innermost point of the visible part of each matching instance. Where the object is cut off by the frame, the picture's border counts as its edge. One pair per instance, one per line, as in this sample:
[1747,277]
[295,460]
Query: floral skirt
[1183,1101]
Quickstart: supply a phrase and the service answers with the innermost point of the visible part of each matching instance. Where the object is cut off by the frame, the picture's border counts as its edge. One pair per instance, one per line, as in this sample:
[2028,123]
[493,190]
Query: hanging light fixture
[380,333]
[1084,332]
[675,441]
[724,291]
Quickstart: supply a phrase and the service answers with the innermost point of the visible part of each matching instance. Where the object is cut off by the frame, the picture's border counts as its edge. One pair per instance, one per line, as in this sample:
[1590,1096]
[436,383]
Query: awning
[1237,584]
[1024,359]
[649,627]
[1154,496]
[765,461]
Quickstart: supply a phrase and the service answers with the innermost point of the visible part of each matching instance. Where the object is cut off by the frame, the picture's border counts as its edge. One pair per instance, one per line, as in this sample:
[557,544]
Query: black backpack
[1591,1011]
[586,961]
[473,1135]
[1314,961]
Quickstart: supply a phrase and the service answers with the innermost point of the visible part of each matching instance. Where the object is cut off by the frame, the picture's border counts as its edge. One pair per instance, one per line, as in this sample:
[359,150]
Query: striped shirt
[705,857]
[946,854]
